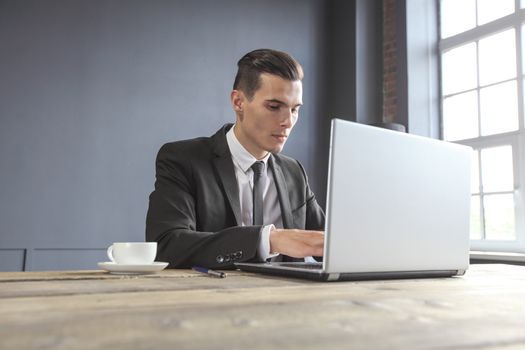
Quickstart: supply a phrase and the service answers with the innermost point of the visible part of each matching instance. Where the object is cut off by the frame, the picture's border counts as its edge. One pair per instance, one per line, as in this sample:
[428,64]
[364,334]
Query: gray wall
[89,91]
[418,66]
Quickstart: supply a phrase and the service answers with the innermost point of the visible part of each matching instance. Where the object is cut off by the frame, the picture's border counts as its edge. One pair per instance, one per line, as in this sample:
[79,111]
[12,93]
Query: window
[482,98]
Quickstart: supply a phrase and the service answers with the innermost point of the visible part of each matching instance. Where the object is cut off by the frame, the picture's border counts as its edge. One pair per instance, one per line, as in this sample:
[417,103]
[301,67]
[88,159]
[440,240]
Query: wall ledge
[481,257]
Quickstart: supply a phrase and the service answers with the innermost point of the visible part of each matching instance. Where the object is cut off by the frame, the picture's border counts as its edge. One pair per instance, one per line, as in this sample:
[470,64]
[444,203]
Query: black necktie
[258,185]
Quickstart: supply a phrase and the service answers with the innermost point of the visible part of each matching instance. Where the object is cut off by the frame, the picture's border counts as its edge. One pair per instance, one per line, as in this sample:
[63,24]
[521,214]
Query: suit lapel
[224,165]
[282,192]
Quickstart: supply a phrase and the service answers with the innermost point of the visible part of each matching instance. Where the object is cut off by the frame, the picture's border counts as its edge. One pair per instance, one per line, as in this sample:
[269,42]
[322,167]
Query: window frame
[516,139]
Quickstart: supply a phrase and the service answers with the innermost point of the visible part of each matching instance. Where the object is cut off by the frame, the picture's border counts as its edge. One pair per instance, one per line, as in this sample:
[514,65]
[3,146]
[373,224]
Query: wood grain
[485,309]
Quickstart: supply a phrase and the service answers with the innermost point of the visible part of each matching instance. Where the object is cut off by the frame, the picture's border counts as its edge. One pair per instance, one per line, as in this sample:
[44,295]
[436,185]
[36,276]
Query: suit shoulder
[288,163]
[200,146]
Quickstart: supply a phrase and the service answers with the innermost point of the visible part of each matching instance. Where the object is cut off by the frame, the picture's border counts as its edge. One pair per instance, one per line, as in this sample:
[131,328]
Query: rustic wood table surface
[182,309]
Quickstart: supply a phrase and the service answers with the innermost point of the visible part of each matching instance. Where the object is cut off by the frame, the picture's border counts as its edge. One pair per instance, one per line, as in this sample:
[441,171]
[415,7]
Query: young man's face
[265,122]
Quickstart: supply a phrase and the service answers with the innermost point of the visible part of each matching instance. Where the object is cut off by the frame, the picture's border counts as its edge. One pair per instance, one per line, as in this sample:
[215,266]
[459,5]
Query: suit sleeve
[172,221]
[315,218]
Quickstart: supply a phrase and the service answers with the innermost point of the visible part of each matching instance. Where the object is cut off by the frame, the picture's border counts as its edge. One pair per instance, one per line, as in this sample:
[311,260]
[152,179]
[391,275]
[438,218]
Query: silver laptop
[398,206]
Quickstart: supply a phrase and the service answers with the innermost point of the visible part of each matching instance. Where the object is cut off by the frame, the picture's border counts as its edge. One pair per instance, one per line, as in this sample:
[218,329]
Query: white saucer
[128,269]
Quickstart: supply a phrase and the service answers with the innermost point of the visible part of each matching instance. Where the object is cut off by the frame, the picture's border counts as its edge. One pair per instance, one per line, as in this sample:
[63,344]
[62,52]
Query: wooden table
[181,309]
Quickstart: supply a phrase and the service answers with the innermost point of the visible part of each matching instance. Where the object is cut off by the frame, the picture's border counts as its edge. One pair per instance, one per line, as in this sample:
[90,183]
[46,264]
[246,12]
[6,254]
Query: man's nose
[287,120]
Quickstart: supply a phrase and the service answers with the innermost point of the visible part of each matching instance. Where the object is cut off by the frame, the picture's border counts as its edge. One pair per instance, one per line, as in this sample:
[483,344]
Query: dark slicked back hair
[253,64]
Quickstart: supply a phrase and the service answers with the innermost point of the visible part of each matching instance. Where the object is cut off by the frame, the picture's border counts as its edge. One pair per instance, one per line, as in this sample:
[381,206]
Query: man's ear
[237,100]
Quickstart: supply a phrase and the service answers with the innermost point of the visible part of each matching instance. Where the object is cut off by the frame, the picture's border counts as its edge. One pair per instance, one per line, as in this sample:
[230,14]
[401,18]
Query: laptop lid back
[395,202]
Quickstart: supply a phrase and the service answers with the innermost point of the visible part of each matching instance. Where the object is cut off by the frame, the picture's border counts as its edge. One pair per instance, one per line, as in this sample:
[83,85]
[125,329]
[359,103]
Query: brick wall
[389,62]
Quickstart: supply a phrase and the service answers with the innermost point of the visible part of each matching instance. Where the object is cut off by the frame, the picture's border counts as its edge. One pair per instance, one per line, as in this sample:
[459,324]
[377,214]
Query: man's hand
[297,243]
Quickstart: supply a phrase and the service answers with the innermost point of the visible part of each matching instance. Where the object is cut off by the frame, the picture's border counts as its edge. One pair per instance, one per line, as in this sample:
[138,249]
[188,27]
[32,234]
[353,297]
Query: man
[232,197]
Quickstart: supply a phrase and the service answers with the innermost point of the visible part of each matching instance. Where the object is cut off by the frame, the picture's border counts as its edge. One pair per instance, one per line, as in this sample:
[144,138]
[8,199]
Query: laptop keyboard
[310,266]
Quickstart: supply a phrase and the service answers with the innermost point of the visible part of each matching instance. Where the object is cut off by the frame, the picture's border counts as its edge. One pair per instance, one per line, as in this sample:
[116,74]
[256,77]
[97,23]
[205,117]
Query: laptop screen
[395,201]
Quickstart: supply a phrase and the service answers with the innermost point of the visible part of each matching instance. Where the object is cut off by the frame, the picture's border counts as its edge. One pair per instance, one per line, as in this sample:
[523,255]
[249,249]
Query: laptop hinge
[333,276]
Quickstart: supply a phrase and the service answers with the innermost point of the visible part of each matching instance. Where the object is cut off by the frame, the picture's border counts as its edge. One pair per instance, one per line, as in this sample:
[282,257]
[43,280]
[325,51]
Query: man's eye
[273,107]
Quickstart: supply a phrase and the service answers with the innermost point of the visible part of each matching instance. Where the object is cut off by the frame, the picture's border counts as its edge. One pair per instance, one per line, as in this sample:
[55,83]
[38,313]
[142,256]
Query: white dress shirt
[242,161]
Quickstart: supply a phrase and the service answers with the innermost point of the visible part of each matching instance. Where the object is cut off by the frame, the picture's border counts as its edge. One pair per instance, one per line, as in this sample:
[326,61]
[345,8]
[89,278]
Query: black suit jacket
[194,211]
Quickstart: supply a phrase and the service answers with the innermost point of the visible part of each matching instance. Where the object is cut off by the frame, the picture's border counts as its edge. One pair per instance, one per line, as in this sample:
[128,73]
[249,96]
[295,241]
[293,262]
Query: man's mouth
[280,137]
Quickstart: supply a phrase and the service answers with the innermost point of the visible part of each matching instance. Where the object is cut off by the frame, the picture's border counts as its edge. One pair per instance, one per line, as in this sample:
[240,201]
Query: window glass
[481,85]
[523,44]
[457,16]
[497,169]
[499,217]
[497,57]
[474,183]
[475,218]
[499,108]
[489,10]
[459,69]
[460,116]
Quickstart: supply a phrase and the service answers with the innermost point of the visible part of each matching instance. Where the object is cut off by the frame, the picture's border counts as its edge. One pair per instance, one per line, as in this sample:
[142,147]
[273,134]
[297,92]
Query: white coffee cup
[133,253]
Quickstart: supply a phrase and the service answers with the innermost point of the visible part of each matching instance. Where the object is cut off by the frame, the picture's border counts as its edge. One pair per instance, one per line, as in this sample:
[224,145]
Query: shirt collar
[240,155]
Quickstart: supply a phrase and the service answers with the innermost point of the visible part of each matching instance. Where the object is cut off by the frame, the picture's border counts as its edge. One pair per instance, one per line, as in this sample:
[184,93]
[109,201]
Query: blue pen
[209,271]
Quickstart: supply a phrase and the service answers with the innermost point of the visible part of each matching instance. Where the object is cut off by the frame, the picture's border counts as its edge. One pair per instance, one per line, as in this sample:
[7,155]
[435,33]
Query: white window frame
[515,139]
